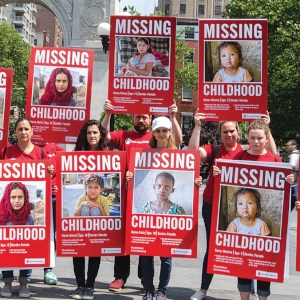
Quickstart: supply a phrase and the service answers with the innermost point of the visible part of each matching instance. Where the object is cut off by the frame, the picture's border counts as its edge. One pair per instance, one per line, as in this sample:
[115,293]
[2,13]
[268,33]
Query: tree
[283,60]
[14,53]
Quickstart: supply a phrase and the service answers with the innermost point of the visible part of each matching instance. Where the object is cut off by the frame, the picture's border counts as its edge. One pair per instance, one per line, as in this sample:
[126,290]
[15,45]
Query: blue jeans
[24,276]
[206,214]
[147,268]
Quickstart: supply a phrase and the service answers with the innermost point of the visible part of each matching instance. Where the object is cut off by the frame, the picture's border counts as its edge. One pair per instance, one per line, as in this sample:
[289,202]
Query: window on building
[167,9]
[182,9]
[218,10]
[200,9]
[189,32]
[187,94]
[187,122]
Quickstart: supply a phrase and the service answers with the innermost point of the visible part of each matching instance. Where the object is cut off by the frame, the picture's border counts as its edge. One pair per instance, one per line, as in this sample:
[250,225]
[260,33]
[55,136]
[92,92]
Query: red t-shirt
[14,152]
[125,140]
[208,193]
[269,156]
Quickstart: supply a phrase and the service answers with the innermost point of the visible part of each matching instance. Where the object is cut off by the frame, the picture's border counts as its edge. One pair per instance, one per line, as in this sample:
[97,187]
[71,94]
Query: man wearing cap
[124,140]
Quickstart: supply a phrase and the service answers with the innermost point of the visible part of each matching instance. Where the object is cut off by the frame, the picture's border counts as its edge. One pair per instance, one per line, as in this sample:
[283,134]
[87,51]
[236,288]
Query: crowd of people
[165,133]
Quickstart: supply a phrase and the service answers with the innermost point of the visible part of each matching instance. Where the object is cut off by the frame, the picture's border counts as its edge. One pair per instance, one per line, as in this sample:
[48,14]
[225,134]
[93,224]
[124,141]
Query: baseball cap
[161,122]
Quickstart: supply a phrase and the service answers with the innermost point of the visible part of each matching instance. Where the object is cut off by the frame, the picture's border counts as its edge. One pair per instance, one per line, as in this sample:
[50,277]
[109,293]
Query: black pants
[92,272]
[122,267]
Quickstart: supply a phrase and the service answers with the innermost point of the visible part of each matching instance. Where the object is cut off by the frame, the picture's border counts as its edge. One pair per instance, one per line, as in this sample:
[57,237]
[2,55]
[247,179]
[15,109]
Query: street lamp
[104,30]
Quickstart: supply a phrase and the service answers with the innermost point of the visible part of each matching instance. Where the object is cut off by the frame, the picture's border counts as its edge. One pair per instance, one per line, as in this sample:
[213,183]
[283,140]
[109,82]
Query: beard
[141,128]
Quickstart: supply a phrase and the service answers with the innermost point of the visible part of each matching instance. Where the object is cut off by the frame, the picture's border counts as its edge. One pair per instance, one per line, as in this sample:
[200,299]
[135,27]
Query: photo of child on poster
[233,61]
[250,211]
[151,56]
[59,86]
[83,194]
[30,206]
[174,189]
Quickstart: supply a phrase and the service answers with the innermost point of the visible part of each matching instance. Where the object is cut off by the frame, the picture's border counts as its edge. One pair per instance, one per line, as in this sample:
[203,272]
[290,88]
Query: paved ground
[185,278]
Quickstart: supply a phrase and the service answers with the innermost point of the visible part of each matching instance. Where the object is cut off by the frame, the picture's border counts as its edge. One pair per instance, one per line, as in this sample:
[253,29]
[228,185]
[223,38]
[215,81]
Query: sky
[145,7]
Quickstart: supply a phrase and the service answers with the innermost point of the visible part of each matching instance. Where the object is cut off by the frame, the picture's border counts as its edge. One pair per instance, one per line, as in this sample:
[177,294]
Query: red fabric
[51,149]
[124,140]
[7,214]
[14,152]
[208,193]
[269,156]
[52,96]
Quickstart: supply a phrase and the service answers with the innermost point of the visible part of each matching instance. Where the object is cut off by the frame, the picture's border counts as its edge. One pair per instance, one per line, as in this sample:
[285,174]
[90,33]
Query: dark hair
[147,42]
[254,192]
[93,178]
[17,186]
[82,143]
[234,44]
[167,176]
[293,142]
[21,119]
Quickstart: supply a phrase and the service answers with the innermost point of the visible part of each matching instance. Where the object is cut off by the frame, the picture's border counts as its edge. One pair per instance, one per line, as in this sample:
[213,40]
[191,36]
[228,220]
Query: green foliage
[14,53]
[133,11]
[186,72]
[121,121]
[284,60]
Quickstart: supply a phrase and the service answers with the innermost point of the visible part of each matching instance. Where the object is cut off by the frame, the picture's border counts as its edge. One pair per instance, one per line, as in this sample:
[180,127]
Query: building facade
[188,12]
[192,8]
[22,17]
[48,29]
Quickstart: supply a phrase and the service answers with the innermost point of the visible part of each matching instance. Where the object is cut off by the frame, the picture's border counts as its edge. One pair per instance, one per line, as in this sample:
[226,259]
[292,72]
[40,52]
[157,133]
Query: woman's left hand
[51,169]
[290,179]
[266,118]
[216,171]
[129,176]
[173,109]
[198,181]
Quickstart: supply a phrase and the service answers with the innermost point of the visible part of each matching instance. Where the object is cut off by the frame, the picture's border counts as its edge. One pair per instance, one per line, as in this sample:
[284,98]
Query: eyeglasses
[161,186]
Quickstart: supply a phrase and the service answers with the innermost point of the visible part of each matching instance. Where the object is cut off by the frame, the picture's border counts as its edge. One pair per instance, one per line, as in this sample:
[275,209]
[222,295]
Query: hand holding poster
[59,92]
[6,83]
[141,64]
[91,203]
[253,247]
[25,214]
[162,205]
[233,76]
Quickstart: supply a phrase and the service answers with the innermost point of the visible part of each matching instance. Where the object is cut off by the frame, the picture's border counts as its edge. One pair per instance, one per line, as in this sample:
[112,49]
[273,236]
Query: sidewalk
[185,278]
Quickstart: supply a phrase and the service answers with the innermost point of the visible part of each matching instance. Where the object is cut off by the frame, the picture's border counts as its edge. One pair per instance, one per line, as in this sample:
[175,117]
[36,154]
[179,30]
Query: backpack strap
[215,151]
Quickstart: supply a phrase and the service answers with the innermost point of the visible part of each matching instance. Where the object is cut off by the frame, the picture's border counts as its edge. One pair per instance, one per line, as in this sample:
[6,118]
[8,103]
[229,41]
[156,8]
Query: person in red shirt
[125,140]
[229,149]
[258,133]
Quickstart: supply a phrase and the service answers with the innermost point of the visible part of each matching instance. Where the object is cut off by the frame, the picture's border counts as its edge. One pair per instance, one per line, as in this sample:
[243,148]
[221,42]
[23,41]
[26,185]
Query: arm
[247,77]
[217,78]
[231,227]
[176,130]
[271,145]
[195,138]
[143,72]
[106,120]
